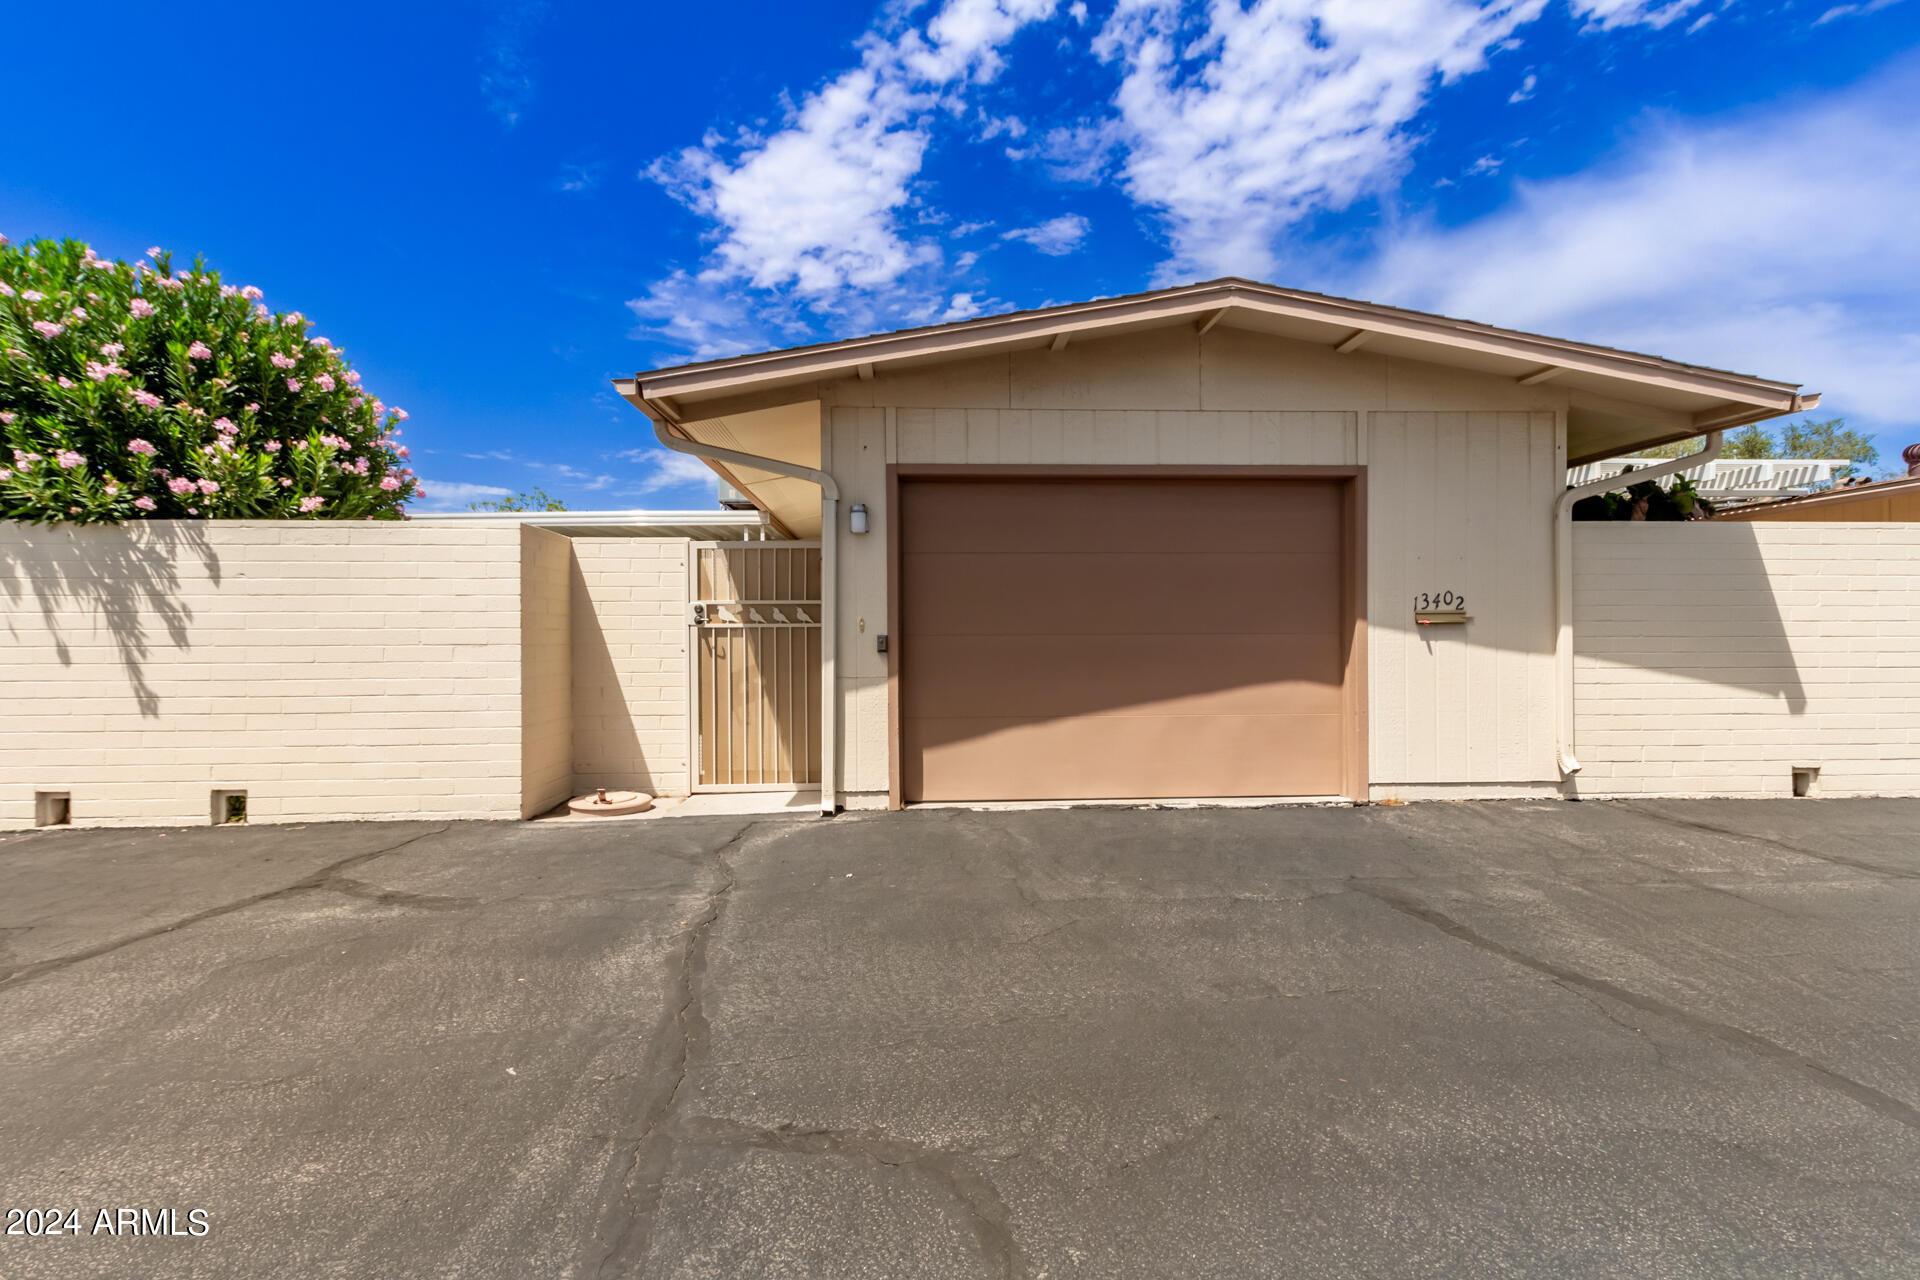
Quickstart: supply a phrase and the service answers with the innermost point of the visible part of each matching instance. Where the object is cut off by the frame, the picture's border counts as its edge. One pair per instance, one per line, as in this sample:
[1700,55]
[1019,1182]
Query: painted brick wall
[330,670]
[630,664]
[1714,658]
[546,659]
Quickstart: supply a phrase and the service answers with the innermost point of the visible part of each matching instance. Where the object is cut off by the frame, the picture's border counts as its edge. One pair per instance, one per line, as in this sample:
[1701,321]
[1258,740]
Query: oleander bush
[134,390]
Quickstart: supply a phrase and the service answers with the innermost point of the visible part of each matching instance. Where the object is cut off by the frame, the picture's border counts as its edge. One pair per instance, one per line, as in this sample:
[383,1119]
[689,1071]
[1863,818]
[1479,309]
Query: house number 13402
[1439,602]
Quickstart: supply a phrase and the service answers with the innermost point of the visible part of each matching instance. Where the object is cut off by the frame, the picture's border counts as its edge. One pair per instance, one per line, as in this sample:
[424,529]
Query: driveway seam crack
[324,878]
[1882,1104]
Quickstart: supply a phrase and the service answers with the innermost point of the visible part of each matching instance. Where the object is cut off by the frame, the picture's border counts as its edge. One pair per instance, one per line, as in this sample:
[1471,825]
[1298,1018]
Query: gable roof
[1684,399]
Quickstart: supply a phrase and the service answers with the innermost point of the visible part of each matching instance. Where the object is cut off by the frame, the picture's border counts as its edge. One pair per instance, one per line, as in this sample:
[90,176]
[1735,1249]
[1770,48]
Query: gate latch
[699,612]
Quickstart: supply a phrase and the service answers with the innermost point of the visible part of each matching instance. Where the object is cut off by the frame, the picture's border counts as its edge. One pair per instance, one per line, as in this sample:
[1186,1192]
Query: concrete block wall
[630,665]
[546,663]
[328,669]
[1716,658]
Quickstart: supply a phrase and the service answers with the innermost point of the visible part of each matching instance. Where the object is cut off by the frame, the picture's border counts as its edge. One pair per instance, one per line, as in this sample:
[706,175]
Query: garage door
[1121,638]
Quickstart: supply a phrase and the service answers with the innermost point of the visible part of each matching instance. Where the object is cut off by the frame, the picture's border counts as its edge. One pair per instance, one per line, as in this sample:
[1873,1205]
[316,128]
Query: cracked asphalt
[1647,1039]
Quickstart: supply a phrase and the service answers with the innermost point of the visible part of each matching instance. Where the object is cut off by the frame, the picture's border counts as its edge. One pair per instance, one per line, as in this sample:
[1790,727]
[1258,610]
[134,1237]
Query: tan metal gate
[755,622]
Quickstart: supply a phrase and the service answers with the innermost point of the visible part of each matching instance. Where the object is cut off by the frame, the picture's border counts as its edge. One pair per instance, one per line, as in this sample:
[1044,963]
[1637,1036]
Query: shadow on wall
[117,578]
[1695,600]
[606,745]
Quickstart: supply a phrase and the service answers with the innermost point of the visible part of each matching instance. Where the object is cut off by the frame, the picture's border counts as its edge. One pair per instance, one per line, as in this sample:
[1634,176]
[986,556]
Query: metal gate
[754,614]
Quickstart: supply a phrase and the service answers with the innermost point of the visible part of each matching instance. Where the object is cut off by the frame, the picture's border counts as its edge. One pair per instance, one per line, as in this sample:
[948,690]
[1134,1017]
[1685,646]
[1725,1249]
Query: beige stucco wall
[630,664]
[328,669]
[546,661]
[1462,470]
[1714,658]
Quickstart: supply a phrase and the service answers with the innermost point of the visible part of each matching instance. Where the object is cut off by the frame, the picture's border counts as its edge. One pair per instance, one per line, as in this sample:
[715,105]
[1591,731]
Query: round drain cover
[609,804]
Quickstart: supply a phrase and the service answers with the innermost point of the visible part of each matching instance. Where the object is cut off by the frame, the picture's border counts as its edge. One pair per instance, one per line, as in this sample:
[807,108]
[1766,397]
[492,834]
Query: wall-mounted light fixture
[857,517]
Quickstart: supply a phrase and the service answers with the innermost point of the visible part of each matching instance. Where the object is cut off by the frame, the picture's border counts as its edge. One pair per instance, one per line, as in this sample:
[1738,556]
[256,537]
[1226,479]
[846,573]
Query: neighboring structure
[1884,501]
[1728,479]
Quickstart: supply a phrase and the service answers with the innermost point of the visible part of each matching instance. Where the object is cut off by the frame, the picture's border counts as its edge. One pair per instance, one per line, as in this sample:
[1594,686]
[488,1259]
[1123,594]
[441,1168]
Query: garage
[1072,635]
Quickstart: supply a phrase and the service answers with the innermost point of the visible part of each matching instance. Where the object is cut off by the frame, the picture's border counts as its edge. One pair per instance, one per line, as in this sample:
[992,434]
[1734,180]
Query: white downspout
[629,390]
[1563,583]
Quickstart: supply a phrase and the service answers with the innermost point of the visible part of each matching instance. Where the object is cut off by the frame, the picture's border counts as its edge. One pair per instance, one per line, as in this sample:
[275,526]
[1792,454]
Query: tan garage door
[1121,638]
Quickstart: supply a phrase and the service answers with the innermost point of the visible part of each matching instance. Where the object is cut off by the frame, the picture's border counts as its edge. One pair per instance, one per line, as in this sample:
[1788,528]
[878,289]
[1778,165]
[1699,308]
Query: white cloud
[1240,122]
[1852,11]
[1525,90]
[1485,164]
[1781,244]
[1055,237]
[963,307]
[815,207]
[451,495]
[666,470]
[1623,13]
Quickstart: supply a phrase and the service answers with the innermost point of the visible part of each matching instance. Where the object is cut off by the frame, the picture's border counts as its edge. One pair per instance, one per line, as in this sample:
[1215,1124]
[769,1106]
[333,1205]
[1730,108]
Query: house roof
[1622,399]
[1826,500]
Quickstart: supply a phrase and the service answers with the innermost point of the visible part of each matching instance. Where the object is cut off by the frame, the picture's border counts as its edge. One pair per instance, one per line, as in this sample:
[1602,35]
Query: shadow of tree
[119,576]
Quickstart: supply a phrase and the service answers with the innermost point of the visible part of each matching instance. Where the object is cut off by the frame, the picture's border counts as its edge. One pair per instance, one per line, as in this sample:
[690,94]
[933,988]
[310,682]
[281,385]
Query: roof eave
[1205,303]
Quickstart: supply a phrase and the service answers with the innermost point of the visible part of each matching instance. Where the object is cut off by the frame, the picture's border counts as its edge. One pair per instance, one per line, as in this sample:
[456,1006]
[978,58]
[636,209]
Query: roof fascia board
[979,337]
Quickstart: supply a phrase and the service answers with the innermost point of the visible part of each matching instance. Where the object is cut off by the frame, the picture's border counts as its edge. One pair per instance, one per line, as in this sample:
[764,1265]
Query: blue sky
[496,214]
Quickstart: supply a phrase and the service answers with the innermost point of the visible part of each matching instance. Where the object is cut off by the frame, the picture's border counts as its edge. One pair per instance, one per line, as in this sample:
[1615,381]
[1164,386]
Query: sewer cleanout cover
[611,804]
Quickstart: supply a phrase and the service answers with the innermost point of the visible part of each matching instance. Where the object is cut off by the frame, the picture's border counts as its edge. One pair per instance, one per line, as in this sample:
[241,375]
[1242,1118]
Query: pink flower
[401,414]
[48,329]
[145,504]
[310,505]
[357,401]
[111,350]
[183,274]
[279,361]
[141,447]
[66,383]
[321,343]
[419,490]
[113,486]
[5,474]
[353,377]
[226,425]
[146,399]
[6,290]
[228,291]
[199,351]
[404,452]
[154,253]
[390,483]
[33,295]
[68,459]
[7,418]
[293,384]
[248,291]
[96,371]
[179,485]
[141,308]
[272,446]
[209,486]
[254,407]
[78,313]
[170,284]
[285,483]
[261,313]
[324,382]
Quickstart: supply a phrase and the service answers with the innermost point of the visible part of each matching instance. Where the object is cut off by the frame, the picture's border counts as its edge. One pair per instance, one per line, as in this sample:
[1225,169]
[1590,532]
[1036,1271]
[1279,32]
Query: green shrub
[133,390]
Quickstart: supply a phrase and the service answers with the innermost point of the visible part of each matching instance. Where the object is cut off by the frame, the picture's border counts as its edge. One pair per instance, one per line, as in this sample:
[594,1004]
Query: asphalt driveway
[1654,1039]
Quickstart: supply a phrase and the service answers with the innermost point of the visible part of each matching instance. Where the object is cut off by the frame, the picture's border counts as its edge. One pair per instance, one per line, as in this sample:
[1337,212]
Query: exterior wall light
[857,518]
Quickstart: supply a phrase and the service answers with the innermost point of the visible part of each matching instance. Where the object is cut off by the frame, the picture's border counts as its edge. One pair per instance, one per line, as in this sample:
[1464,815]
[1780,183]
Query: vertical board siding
[1461,501]
[1458,500]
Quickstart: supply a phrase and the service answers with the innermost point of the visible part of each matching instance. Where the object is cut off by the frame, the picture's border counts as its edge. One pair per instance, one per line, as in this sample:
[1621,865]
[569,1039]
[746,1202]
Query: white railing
[1727,477]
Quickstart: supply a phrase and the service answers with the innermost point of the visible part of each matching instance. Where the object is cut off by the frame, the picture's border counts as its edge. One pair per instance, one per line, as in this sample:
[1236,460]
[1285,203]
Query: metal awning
[702,526]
